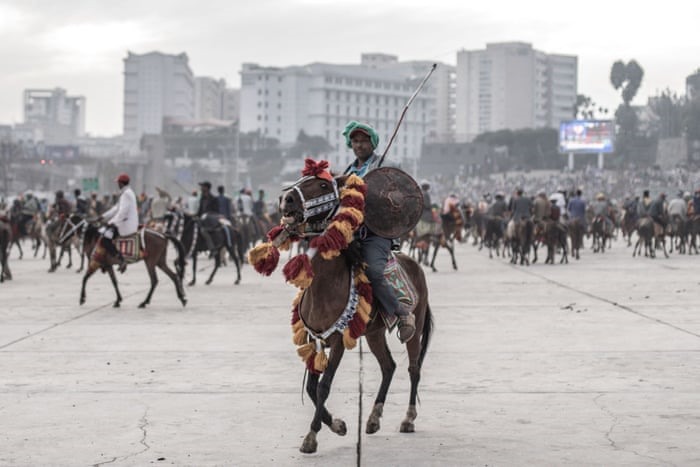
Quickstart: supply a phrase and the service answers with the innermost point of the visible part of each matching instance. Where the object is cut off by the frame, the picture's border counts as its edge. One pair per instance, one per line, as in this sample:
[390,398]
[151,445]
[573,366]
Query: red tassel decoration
[264,258]
[298,271]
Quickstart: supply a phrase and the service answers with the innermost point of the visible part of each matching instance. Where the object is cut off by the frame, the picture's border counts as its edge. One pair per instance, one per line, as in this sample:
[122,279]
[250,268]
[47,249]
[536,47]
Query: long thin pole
[403,113]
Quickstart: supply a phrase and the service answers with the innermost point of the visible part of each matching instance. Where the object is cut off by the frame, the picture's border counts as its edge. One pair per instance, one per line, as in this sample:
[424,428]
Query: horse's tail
[180,260]
[426,334]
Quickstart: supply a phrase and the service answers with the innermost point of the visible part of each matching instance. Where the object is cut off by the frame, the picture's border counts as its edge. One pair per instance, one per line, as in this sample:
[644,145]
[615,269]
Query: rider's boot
[112,250]
[406,324]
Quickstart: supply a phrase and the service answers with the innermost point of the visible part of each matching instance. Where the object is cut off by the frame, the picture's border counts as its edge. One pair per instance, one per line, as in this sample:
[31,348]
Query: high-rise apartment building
[692,85]
[232,104]
[510,85]
[320,99]
[156,85]
[209,98]
[58,117]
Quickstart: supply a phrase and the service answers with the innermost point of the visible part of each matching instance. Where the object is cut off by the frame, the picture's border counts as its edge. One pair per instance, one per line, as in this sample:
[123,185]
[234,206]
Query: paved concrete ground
[592,363]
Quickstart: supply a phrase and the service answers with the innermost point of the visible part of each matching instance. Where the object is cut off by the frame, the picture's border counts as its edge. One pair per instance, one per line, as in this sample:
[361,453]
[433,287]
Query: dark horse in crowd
[5,242]
[325,300]
[155,247]
[223,237]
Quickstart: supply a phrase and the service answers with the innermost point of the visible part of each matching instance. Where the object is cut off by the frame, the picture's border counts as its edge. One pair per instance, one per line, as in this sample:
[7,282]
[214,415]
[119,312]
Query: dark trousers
[108,244]
[375,251]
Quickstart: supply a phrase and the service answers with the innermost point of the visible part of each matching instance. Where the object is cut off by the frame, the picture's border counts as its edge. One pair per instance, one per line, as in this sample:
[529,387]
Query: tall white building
[320,99]
[156,85]
[58,117]
[232,104]
[512,86]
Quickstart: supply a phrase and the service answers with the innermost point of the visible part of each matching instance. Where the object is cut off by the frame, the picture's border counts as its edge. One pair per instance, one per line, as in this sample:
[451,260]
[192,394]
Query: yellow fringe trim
[259,253]
[345,228]
[321,361]
[302,280]
[306,351]
[297,299]
[300,336]
[354,180]
[348,341]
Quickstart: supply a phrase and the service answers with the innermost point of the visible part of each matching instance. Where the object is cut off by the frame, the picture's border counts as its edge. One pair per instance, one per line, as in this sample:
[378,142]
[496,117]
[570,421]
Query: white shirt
[245,204]
[559,199]
[124,215]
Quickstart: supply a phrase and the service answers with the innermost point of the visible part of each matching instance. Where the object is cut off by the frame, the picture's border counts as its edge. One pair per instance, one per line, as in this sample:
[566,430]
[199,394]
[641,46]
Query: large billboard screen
[587,136]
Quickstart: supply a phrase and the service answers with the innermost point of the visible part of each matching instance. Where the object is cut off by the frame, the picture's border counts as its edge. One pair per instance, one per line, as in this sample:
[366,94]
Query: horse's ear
[341,179]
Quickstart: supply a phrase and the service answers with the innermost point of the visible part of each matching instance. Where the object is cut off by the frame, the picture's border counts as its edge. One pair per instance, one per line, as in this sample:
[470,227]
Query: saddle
[131,246]
[403,288]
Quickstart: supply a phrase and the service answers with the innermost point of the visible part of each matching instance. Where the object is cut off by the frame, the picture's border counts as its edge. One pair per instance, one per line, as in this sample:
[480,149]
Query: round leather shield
[394,202]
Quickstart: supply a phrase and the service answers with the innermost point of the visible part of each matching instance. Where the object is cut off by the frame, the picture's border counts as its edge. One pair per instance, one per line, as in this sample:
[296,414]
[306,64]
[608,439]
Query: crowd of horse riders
[28,216]
[519,224]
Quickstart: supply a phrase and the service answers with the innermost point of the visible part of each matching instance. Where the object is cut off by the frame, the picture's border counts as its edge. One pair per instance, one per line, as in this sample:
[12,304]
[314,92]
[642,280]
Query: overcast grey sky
[80,45]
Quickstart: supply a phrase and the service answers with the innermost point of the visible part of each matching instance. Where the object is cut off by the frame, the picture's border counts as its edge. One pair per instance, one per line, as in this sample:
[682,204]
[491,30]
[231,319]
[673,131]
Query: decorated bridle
[325,203]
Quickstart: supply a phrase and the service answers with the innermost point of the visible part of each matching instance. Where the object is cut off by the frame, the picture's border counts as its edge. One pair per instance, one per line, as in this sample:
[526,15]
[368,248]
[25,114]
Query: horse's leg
[416,349]
[21,253]
[312,391]
[70,257]
[436,248]
[82,262]
[663,246]
[87,275]
[237,262]
[113,278]
[151,268]
[163,265]
[380,349]
[52,258]
[217,263]
[194,267]
[323,389]
[451,249]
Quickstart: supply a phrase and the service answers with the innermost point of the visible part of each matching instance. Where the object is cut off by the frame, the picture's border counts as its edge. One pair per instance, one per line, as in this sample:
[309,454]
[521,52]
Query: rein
[66,235]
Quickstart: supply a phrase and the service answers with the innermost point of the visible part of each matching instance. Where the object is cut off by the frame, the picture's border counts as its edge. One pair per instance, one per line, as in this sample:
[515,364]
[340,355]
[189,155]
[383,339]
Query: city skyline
[80,46]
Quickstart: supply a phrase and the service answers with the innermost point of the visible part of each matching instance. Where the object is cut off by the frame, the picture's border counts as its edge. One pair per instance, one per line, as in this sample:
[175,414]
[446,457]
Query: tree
[627,77]
[306,145]
[585,108]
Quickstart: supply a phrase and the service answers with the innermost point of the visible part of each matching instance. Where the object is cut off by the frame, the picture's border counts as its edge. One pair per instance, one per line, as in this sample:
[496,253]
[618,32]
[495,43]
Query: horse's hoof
[373,425]
[184,301]
[116,305]
[238,281]
[142,305]
[190,283]
[407,427]
[207,282]
[310,444]
[338,427]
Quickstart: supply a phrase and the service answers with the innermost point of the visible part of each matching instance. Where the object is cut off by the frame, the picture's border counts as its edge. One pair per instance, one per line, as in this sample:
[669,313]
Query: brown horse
[155,246]
[325,300]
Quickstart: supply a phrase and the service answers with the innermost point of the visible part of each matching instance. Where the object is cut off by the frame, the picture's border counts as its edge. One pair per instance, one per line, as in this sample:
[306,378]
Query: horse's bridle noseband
[315,206]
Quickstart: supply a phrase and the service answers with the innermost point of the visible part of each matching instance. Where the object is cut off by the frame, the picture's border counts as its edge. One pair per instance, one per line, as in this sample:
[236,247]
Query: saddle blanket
[403,288]
[130,247]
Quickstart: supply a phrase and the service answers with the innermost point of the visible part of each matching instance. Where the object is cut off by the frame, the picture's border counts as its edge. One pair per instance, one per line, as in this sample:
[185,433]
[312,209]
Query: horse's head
[311,199]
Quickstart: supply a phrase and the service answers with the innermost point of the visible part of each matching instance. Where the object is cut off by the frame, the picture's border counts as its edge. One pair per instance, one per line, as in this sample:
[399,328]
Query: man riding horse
[363,140]
[122,219]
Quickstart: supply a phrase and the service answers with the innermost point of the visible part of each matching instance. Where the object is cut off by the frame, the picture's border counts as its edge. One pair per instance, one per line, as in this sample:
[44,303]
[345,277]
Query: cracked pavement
[592,363]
